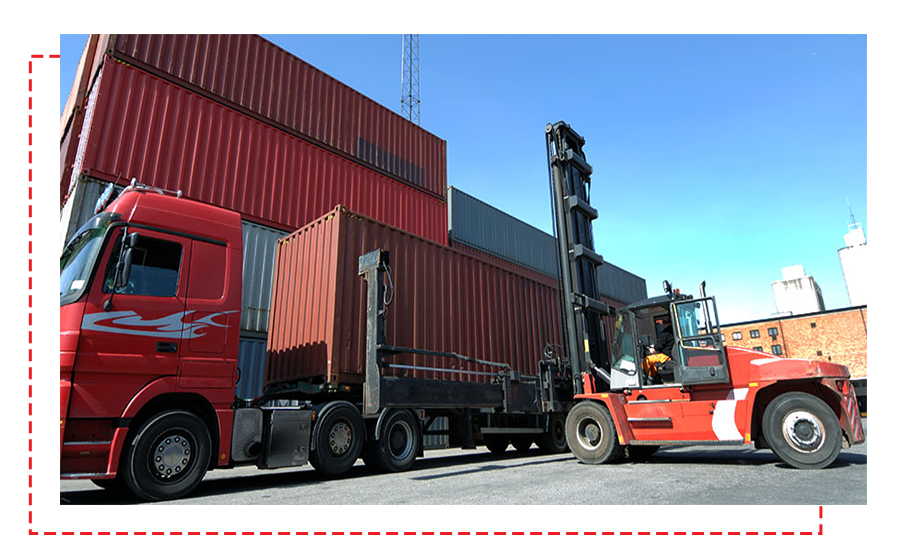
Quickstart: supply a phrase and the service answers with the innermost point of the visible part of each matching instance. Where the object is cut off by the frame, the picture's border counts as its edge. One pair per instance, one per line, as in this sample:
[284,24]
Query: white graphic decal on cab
[128,322]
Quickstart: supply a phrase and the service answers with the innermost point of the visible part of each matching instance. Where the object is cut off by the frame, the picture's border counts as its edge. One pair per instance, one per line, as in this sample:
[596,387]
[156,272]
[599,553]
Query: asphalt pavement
[697,475]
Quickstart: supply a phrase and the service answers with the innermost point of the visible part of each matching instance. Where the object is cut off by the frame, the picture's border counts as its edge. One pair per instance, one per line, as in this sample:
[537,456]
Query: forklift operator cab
[698,354]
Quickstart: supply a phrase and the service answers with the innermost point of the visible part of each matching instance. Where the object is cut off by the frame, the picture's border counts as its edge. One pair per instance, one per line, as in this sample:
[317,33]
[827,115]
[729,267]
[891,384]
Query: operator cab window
[154,269]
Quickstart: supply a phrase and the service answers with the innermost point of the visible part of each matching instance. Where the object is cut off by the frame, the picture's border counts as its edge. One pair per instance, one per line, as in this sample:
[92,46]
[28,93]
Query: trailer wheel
[496,443]
[522,442]
[802,430]
[340,434]
[398,443]
[554,441]
[167,457]
[591,433]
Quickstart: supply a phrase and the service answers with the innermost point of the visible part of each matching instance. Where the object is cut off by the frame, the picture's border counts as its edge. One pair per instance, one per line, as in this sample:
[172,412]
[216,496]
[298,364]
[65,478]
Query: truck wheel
[522,442]
[802,430]
[398,443]
[340,433]
[591,433]
[167,457]
[496,443]
[553,441]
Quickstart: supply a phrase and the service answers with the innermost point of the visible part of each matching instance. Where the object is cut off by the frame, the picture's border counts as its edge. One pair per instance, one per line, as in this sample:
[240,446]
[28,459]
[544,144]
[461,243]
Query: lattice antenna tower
[411,94]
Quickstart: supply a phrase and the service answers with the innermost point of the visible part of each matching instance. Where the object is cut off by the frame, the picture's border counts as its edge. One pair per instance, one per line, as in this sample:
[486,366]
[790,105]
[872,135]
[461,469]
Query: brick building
[839,336]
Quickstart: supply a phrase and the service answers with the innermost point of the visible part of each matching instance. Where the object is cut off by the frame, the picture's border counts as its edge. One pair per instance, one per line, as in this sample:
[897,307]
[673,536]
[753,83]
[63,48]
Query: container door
[139,338]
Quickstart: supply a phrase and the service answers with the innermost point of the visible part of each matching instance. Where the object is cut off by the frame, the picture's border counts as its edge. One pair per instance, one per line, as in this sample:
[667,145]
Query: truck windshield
[78,258]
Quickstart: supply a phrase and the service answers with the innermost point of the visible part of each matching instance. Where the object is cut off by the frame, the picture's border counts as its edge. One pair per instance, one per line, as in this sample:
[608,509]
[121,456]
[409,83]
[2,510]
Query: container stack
[237,122]
[482,230]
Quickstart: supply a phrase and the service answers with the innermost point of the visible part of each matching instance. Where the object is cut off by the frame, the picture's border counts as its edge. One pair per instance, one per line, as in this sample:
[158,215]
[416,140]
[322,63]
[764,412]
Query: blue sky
[716,157]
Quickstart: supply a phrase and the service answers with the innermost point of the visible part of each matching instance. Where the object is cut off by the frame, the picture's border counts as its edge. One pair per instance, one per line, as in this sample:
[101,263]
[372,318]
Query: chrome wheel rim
[589,434]
[171,456]
[804,431]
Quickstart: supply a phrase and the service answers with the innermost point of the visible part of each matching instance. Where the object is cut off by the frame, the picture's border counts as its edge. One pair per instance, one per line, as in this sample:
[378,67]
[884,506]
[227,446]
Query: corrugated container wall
[253,75]
[475,224]
[259,244]
[166,136]
[443,300]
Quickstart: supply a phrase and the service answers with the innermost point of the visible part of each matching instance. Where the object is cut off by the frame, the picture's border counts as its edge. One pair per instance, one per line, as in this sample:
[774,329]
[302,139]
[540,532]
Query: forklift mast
[584,335]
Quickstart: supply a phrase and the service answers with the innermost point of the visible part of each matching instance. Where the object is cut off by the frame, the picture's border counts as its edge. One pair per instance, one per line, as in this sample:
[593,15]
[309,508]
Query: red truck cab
[149,324]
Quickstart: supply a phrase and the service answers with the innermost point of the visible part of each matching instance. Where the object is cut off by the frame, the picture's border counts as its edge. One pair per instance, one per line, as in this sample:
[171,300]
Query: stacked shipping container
[237,122]
[474,225]
[252,76]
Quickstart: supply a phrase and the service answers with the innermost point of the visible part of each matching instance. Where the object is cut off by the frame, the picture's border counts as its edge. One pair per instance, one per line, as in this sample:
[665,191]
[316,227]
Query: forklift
[627,401]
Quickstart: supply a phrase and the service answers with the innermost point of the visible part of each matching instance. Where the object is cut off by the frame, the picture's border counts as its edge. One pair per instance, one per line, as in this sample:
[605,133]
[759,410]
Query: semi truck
[150,296]
[150,292]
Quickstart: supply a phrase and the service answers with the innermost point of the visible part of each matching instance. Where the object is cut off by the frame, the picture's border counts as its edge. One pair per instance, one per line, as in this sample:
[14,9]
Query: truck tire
[522,442]
[340,433]
[554,441]
[496,443]
[591,433]
[167,457]
[398,443]
[802,430]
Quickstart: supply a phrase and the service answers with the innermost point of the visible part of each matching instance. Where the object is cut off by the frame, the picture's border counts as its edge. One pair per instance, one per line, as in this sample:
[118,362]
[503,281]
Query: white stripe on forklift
[723,423]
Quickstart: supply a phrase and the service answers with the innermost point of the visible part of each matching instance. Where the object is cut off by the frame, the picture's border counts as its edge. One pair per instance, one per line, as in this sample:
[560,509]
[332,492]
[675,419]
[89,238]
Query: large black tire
[522,442]
[554,441]
[591,433]
[398,443]
[340,434]
[167,457]
[496,443]
[802,430]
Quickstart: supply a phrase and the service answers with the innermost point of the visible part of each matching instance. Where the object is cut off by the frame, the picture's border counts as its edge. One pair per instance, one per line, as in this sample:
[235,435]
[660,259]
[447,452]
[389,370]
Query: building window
[738,335]
[813,325]
[759,349]
[772,332]
[776,350]
[754,334]
[820,353]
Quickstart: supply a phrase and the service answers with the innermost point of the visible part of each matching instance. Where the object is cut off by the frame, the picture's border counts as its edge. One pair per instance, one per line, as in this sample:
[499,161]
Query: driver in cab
[660,351]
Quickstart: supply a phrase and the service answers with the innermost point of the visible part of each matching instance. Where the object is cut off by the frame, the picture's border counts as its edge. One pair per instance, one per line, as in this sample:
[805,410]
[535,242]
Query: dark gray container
[476,224]
[251,361]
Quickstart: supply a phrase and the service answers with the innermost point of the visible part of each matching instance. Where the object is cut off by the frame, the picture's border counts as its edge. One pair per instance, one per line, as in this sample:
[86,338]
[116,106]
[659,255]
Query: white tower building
[797,293]
[854,260]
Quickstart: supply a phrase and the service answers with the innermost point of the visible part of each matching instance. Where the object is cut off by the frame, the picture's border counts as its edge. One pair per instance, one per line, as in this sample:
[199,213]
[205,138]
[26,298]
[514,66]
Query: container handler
[803,410]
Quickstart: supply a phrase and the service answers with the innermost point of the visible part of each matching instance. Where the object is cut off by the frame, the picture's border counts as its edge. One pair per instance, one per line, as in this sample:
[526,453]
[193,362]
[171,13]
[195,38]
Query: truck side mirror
[123,267]
[123,272]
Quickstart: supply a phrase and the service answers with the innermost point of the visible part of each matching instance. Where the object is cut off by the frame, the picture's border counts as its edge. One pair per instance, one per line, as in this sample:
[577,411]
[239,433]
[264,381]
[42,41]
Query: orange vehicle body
[726,413]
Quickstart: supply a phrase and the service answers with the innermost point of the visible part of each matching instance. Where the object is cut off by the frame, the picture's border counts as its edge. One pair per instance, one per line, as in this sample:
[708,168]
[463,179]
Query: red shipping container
[443,300]
[250,74]
[146,128]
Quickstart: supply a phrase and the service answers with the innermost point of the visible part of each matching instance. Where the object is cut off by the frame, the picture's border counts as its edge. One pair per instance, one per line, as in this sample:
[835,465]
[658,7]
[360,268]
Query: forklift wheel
[802,430]
[591,433]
